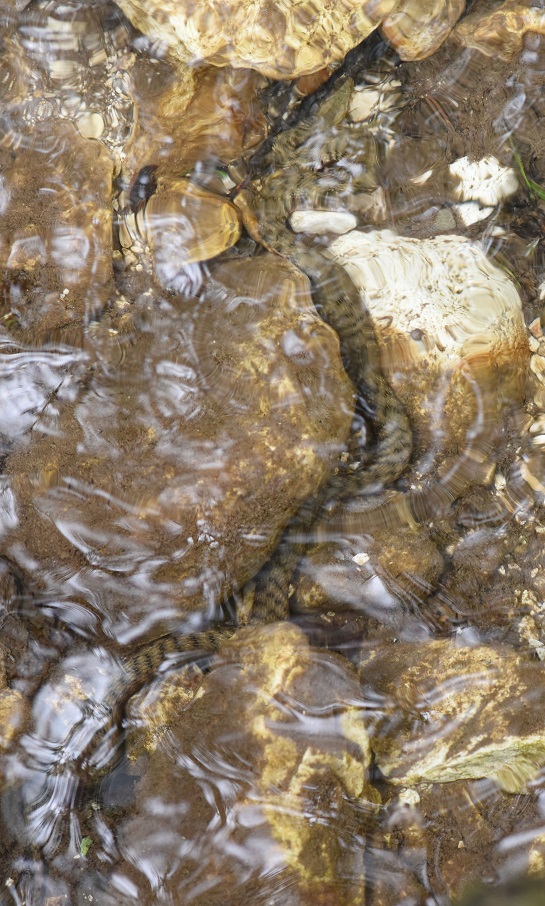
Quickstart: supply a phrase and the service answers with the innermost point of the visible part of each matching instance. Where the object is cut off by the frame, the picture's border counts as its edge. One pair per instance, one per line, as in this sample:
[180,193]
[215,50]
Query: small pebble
[337,222]
[444,220]
[537,365]
[409,797]
[535,327]
[90,125]
[538,425]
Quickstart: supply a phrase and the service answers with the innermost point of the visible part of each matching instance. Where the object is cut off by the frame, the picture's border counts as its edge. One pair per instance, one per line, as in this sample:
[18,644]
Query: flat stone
[457,713]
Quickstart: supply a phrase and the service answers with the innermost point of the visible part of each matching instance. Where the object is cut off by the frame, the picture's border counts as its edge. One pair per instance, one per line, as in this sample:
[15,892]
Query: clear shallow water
[156,441]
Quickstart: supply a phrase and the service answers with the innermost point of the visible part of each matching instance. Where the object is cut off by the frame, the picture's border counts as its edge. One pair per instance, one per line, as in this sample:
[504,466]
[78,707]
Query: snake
[288,178]
[295,171]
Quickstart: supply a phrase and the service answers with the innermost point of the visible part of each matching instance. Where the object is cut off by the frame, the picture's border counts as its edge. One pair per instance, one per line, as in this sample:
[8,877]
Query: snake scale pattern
[290,179]
[292,174]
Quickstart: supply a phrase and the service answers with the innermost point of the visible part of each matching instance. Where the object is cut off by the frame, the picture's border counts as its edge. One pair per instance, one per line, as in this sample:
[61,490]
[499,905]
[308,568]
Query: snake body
[291,174]
[288,178]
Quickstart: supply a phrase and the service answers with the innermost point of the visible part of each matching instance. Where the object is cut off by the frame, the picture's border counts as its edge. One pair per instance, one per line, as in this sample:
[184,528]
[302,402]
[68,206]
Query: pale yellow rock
[91,125]
[500,32]
[285,39]
[14,707]
[280,732]
[280,38]
[14,712]
[456,713]
[417,28]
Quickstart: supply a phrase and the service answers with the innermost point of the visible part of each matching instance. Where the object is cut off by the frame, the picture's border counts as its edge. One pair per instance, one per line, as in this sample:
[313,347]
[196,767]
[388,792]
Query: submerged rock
[55,233]
[451,331]
[284,39]
[417,29]
[276,734]
[373,576]
[186,117]
[454,713]
[281,39]
[14,708]
[500,31]
[485,180]
[182,223]
[175,469]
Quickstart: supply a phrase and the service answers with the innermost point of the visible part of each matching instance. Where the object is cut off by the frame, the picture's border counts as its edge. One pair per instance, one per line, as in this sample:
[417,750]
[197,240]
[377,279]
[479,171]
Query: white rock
[538,425]
[422,178]
[370,100]
[409,797]
[317,222]
[483,180]
[500,481]
[537,364]
[443,293]
[472,212]
[90,125]
[443,313]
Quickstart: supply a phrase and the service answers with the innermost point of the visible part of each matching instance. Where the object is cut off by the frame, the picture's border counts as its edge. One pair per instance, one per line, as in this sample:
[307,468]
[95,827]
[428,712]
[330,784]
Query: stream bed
[272,453]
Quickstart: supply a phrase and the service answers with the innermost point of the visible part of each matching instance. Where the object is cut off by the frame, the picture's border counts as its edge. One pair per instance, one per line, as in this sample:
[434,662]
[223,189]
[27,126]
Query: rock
[281,39]
[284,39]
[182,223]
[276,733]
[500,31]
[319,222]
[91,125]
[484,180]
[185,117]
[451,330]
[372,576]
[171,474]
[14,712]
[14,706]
[55,246]
[417,29]
[456,713]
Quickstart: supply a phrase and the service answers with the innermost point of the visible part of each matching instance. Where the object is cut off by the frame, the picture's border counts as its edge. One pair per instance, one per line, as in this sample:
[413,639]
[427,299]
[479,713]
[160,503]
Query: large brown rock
[193,441]
[284,39]
[276,735]
[457,713]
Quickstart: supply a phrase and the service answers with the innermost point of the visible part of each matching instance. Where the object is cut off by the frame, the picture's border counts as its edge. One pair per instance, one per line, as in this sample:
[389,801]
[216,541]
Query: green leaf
[85,845]
[534,187]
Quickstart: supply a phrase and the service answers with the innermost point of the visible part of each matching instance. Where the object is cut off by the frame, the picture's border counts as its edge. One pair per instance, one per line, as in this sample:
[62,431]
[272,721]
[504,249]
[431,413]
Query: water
[165,416]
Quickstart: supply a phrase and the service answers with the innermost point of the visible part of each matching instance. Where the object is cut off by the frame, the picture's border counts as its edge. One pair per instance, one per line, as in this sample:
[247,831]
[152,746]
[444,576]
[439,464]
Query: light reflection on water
[156,440]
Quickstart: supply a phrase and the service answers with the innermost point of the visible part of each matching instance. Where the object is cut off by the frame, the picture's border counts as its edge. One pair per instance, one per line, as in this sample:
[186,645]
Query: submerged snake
[288,178]
[291,174]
